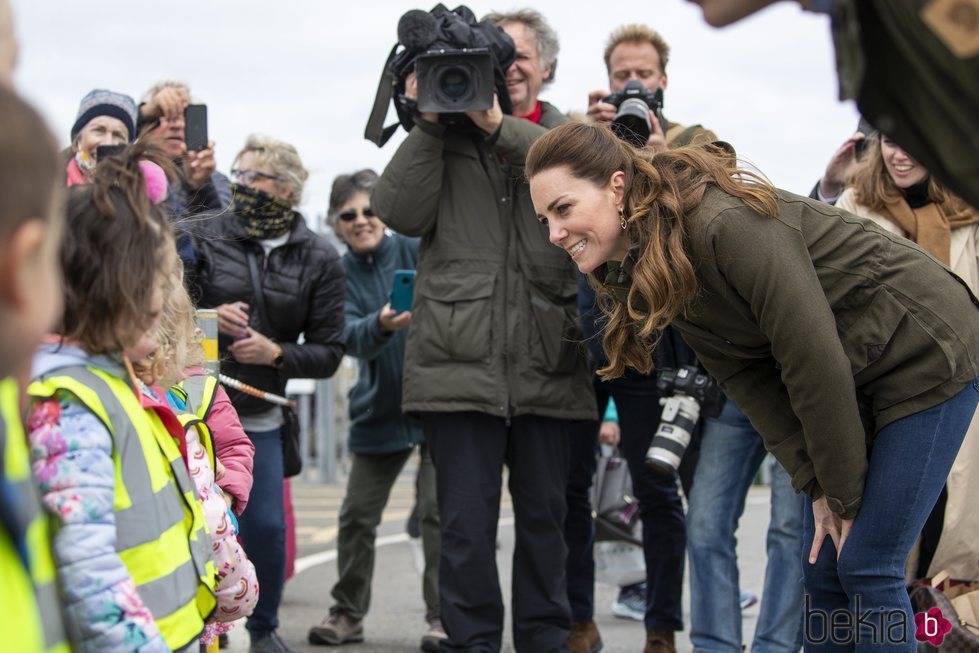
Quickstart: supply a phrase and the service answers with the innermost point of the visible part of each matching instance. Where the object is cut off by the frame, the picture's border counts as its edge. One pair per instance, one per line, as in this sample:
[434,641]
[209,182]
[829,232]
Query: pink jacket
[231,446]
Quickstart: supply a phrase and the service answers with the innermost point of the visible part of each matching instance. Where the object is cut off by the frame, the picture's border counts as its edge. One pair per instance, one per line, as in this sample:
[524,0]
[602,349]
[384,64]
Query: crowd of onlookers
[144,505]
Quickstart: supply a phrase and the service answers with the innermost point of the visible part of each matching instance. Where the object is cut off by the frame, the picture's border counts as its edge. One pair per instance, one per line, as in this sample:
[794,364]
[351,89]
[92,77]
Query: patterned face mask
[85,162]
[263,215]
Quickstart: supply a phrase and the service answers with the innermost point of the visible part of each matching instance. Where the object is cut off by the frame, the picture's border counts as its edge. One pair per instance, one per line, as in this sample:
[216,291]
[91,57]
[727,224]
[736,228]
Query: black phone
[103,151]
[195,127]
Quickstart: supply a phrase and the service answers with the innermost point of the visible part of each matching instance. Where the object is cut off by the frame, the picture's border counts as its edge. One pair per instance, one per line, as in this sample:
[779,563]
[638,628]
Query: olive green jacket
[495,319]
[803,317]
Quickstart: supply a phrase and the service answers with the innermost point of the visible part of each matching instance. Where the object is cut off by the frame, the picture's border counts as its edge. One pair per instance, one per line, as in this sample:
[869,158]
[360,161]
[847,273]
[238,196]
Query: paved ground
[396,620]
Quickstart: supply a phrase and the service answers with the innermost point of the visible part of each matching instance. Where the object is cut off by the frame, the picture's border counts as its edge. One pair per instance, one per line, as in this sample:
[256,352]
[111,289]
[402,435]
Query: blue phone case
[403,290]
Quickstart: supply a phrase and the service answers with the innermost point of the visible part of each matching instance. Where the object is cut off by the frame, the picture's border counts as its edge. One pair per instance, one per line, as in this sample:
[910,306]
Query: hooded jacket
[495,322]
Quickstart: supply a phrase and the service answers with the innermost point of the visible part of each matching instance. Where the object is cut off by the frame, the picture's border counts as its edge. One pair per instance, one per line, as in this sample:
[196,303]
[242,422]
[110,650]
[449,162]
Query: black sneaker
[269,644]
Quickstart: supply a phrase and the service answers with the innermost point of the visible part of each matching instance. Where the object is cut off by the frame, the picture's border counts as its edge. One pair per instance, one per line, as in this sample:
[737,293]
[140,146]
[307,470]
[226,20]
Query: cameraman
[490,364]
[637,52]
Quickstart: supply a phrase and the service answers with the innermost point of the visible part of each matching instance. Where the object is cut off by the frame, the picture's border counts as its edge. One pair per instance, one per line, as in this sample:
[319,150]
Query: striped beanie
[101,102]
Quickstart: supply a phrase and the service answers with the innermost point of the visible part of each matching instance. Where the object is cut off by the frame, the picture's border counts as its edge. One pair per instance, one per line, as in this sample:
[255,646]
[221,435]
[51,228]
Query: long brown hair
[115,245]
[874,187]
[660,192]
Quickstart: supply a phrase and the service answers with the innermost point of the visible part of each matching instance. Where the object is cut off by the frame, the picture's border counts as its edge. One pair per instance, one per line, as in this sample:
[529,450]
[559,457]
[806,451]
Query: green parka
[824,328]
[495,322]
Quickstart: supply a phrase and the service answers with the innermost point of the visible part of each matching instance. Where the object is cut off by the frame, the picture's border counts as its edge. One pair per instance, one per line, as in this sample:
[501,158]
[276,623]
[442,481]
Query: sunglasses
[351,215]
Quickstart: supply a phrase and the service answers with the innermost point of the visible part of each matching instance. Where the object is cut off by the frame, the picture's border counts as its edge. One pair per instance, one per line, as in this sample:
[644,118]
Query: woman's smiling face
[582,217]
[358,226]
[904,170]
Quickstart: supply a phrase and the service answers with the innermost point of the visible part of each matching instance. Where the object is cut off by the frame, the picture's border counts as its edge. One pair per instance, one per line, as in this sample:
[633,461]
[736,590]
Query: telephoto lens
[676,424]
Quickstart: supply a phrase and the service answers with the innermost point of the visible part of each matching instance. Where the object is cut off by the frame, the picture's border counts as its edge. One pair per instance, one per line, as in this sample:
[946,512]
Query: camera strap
[375,131]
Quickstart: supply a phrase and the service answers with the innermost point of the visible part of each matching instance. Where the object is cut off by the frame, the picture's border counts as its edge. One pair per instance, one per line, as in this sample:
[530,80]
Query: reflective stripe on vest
[199,392]
[160,532]
[34,609]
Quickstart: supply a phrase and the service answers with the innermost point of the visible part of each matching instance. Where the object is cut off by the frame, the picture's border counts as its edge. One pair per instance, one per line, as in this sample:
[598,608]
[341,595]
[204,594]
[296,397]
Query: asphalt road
[396,619]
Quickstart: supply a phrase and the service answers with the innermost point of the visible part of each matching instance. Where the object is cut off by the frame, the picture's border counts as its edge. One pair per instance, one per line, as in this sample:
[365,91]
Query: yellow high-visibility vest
[160,532]
[30,609]
[198,393]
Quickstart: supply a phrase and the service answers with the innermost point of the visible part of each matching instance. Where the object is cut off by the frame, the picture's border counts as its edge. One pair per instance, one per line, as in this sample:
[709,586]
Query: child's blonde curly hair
[179,344]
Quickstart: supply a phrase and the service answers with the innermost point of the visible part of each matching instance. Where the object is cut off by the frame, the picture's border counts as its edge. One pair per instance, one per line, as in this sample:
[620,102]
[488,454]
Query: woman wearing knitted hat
[104,118]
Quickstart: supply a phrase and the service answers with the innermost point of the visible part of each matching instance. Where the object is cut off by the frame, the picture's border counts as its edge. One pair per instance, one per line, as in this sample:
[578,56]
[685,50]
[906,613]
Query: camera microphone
[417,29]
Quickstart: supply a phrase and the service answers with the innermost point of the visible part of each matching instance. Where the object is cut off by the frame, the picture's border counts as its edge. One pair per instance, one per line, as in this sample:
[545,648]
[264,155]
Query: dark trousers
[579,526]
[660,508]
[368,489]
[263,531]
[469,450]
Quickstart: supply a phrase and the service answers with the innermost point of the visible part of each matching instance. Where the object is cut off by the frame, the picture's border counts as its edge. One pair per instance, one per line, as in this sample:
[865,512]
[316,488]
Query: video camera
[459,64]
[634,102]
[687,394]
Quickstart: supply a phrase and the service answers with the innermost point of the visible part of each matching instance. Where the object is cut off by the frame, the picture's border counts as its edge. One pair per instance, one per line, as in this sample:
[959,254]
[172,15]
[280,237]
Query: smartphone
[403,290]
[103,151]
[195,127]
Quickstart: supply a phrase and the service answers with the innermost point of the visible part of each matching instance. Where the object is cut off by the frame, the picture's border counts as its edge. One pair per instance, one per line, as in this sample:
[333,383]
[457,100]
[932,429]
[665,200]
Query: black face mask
[263,215]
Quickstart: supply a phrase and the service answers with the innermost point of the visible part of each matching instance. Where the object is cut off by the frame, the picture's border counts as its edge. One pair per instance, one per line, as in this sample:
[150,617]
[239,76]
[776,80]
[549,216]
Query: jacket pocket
[554,307]
[457,316]
[865,340]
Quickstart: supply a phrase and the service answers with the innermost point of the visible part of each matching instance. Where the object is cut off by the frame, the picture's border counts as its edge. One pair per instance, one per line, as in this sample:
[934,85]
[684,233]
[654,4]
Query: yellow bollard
[207,322]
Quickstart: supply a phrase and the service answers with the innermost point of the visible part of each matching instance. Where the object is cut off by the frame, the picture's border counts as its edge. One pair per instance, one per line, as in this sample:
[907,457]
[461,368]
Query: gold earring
[622,222]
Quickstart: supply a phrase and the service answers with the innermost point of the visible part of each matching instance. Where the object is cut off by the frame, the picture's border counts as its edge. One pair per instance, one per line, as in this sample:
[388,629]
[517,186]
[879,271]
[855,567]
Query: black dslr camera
[459,64]
[687,394]
[634,102]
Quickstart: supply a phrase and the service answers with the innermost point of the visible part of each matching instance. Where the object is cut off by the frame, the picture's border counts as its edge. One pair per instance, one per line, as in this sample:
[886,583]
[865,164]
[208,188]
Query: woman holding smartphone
[853,352]
[381,438]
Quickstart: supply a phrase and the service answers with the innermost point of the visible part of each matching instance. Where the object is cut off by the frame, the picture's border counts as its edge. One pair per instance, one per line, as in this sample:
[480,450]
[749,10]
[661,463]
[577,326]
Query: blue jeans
[263,531]
[730,454]
[909,463]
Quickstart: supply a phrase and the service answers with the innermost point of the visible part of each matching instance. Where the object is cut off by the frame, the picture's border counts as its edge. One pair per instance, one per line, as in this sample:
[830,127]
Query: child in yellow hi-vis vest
[30,298]
[131,550]
[179,354]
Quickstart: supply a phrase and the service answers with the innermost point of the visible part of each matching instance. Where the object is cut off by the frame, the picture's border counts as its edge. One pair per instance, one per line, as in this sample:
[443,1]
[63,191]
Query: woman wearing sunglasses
[270,278]
[381,438]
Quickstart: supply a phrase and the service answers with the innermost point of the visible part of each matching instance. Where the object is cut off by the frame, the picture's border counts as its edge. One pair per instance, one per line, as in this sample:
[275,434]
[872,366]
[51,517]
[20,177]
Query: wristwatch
[277,358]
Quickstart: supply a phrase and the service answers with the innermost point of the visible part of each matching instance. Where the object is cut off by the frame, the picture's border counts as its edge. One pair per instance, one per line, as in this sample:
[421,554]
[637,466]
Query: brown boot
[584,637]
[659,641]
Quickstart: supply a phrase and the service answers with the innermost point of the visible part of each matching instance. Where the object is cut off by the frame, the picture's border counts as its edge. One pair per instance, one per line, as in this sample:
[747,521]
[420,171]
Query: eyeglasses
[351,215]
[249,176]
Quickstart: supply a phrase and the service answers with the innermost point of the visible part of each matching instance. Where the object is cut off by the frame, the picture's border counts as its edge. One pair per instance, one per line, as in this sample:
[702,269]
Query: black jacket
[303,285]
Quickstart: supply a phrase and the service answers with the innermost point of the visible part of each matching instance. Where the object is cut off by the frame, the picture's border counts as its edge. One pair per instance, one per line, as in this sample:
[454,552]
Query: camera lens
[454,83]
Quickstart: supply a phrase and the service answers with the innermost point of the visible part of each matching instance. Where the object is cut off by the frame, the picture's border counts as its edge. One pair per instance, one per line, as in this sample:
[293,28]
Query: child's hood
[53,356]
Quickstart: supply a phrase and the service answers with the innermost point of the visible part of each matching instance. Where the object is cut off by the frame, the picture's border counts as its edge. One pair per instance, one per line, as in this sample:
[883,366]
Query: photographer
[637,52]
[490,364]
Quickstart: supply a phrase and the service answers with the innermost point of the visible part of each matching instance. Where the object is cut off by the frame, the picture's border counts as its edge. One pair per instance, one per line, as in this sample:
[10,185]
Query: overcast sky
[306,71]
